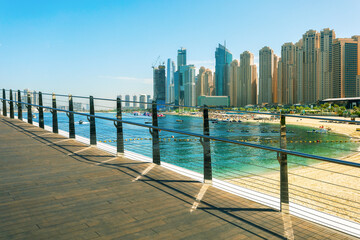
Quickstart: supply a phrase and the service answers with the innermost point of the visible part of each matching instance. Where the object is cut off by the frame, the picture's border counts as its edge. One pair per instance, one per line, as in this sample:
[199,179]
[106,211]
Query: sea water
[228,160]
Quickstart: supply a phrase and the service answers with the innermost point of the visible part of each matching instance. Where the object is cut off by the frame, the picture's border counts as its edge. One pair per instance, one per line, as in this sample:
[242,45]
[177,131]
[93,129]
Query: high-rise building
[142,101]
[223,58]
[254,84]
[209,83]
[204,84]
[327,37]
[288,73]
[127,100]
[170,81]
[311,48]
[266,75]
[135,99]
[178,78]
[200,83]
[346,66]
[159,83]
[234,83]
[275,79]
[358,85]
[181,58]
[279,83]
[177,87]
[299,72]
[248,79]
[188,89]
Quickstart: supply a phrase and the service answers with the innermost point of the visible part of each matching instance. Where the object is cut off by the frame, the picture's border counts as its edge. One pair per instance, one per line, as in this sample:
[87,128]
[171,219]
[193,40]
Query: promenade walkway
[56,188]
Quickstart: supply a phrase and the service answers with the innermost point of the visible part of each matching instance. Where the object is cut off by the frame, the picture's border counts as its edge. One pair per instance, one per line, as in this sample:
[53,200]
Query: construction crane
[157,60]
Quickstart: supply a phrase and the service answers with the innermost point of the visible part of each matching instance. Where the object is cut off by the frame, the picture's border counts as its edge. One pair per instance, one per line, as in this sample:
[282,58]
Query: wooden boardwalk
[48,191]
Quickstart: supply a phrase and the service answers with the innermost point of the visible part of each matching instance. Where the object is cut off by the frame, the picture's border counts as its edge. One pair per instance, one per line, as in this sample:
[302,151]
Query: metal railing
[255,181]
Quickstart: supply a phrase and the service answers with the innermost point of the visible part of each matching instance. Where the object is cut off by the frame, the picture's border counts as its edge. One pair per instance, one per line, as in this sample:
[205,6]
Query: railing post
[284,185]
[54,115]
[11,105]
[92,122]
[4,103]
[29,109]
[119,129]
[71,118]
[155,135]
[41,111]
[206,147]
[19,105]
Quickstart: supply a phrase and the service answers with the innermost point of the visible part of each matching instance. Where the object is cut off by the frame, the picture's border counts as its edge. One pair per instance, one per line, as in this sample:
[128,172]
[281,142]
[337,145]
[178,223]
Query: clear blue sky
[104,48]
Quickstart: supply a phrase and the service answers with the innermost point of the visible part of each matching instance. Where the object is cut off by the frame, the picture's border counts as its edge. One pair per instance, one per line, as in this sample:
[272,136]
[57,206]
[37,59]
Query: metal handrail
[212,108]
[273,149]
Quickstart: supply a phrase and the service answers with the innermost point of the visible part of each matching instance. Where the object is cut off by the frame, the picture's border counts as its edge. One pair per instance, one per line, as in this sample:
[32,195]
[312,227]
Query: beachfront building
[299,71]
[248,79]
[279,83]
[288,73]
[223,58]
[346,66]
[266,75]
[327,37]
[311,48]
[275,77]
[234,83]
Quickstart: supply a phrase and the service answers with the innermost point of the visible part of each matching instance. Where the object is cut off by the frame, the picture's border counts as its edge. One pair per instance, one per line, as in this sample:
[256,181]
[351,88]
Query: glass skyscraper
[181,58]
[223,58]
[159,85]
[170,81]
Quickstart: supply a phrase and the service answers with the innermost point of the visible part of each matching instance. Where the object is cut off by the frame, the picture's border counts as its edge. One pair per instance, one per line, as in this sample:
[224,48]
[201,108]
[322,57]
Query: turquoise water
[229,160]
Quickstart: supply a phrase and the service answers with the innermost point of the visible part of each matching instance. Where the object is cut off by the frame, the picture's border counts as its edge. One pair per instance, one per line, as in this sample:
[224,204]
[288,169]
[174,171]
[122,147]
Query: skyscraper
[266,75]
[275,79]
[311,48]
[181,58]
[204,84]
[142,101]
[279,83]
[223,59]
[188,89]
[234,83]
[346,66]
[159,84]
[170,81]
[288,73]
[209,83]
[248,79]
[178,78]
[200,82]
[135,99]
[299,71]
[326,41]
[127,99]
